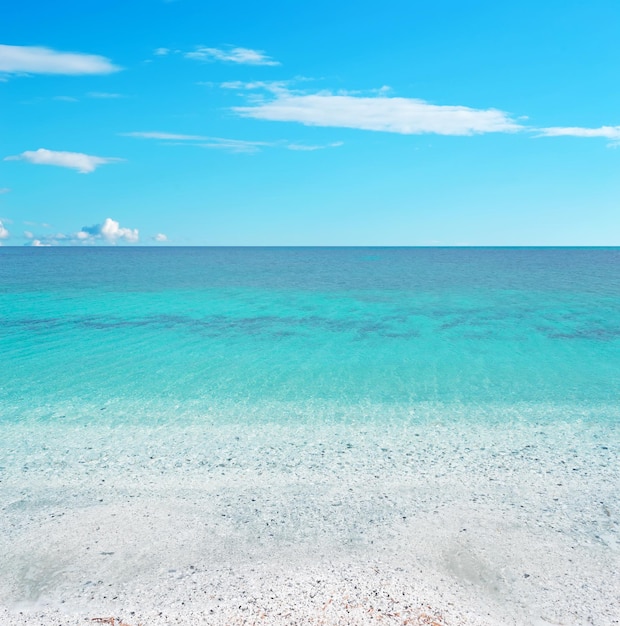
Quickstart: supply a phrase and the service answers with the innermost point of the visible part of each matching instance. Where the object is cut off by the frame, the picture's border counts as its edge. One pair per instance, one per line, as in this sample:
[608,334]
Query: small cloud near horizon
[109,232]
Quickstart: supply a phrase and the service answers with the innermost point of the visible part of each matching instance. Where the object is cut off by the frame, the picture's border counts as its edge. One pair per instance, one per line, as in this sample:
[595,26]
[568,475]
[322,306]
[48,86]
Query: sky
[391,123]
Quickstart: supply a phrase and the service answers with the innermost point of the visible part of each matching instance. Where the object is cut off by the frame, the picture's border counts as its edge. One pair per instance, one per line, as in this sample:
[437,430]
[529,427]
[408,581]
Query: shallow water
[449,416]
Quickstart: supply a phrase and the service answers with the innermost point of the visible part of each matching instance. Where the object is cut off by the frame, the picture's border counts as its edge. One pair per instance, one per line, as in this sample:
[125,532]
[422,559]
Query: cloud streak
[404,116]
[239,56]
[39,60]
[606,132]
[104,95]
[300,147]
[4,233]
[165,136]
[236,145]
[230,145]
[83,163]
[275,86]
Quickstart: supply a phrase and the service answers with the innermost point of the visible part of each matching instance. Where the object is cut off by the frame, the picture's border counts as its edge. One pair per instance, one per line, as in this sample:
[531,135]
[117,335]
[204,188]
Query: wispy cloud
[39,60]
[241,56]
[104,95]
[65,99]
[250,147]
[274,86]
[229,145]
[236,145]
[83,163]
[311,148]
[161,52]
[4,233]
[43,225]
[4,190]
[377,110]
[606,132]
[405,116]
[164,136]
[222,143]
[160,238]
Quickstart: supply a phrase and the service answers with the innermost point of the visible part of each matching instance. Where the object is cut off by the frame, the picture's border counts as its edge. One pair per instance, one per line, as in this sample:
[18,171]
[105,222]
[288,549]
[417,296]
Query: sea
[228,434]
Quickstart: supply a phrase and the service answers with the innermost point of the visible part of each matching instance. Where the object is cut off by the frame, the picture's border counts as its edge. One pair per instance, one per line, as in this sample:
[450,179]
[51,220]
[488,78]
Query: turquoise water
[199,326]
[182,425]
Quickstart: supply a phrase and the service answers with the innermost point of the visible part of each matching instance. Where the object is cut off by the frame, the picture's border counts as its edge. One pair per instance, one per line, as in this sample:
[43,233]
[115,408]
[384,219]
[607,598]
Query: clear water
[375,401]
[345,326]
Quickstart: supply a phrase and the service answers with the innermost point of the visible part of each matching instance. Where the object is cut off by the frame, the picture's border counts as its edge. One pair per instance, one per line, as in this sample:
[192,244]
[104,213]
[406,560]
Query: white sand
[284,524]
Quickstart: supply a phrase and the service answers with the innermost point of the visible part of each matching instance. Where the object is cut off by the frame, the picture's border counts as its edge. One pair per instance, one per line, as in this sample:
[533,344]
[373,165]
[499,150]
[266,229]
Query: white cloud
[37,243]
[109,231]
[28,234]
[38,60]
[4,190]
[607,132]
[406,116]
[160,237]
[165,136]
[104,95]
[161,52]
[65,99]
[83,163]
[4,233]
[242,56]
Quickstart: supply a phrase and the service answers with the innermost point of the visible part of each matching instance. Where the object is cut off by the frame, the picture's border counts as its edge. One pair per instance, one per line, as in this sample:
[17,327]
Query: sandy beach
[410,523]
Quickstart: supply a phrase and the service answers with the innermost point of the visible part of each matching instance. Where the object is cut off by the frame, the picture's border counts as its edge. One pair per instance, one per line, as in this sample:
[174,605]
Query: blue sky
[189,122]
